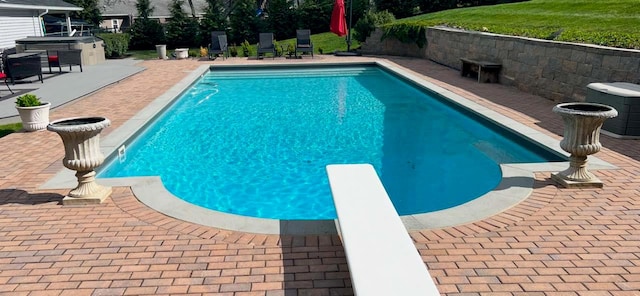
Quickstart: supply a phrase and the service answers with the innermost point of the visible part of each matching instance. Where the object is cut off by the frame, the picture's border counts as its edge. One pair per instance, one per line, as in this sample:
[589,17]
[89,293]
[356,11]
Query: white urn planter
[34,118]
[81,139]
[582,123]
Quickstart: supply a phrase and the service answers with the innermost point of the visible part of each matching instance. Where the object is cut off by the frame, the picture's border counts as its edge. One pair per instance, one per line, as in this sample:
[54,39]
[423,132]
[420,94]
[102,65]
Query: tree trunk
[193,10]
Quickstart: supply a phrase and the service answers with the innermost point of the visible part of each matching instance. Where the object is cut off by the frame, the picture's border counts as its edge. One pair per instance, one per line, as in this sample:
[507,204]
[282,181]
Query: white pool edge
[516,184]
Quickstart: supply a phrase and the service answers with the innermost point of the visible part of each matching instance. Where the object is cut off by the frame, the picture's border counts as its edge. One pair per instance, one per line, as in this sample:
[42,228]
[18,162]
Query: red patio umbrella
[338,21]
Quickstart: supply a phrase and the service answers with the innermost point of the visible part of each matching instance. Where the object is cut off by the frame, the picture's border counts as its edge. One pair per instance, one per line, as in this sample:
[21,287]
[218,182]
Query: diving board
[381,256]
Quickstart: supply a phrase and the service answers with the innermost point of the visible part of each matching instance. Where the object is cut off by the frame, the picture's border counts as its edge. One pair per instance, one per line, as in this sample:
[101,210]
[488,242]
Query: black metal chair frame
[218,45]
[303,42]
[266,45]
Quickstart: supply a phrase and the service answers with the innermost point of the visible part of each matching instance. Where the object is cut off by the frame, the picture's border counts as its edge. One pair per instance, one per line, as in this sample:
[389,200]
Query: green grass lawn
[6,129]
[327,42]
[603,22]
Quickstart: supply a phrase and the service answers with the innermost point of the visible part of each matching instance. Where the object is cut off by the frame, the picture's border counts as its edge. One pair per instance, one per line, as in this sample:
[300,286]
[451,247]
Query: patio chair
[266,44]
[70,57]
[303,42]
[53,61]
[4,76]
[22,65]
[218,45]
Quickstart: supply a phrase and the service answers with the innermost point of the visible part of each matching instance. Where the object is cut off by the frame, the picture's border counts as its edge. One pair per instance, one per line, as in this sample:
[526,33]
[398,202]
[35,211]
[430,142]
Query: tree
[436,5]
[399,8]
[315,15]
[282,18]
[182,31]
[193,8]
[144,8]
[90,13]
[145,32]
[214,19]
[245,24]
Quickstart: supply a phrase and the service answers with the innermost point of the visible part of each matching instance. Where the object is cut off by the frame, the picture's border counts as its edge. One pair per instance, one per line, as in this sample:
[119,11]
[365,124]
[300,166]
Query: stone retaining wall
[558,71]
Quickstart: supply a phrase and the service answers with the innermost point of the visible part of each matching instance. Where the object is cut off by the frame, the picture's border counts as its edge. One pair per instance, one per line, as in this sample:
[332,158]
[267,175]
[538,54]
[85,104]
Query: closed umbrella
[338,23]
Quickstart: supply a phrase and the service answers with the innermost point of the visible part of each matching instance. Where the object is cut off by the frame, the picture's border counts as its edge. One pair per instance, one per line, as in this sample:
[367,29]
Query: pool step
[288,73]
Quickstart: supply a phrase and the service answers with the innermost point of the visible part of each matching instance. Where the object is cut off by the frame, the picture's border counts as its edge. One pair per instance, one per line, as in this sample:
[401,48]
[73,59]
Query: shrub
[182,30]
[146,34]
[28,100]
[233,50]
[406,33]
[115,45]
[369,22]
[246,48]
[195,52]
[278,49]
[291,50]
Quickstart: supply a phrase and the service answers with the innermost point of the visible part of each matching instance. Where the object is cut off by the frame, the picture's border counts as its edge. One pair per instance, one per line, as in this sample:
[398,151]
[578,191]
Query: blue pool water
[256,143]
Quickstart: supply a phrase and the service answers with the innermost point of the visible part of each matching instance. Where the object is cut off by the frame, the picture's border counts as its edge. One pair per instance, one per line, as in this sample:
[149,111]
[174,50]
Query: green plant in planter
[28,100]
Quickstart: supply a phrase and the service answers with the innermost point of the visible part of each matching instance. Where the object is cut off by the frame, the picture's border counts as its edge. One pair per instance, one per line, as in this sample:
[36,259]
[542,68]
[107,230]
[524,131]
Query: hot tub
[92,47]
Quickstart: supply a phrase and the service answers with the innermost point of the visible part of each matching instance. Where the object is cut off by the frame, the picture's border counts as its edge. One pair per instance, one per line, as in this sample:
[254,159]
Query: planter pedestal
[582,123]
[81,139]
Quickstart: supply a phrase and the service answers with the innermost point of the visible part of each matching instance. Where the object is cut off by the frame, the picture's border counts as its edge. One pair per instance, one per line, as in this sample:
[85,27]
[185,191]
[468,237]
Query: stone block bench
[487,71]
[381,256]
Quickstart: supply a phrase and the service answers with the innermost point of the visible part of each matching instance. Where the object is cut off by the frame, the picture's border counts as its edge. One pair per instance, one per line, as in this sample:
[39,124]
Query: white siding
[18,24]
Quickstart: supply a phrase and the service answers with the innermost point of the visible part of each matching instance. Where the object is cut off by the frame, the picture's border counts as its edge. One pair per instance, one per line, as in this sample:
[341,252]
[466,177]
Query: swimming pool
[350,114]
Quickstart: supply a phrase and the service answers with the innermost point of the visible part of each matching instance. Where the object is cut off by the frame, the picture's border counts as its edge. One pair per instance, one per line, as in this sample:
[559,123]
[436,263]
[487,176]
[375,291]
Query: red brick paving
[556,242]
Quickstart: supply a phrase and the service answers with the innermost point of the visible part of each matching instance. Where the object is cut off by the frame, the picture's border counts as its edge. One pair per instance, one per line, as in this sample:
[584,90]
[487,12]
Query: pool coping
[515,186]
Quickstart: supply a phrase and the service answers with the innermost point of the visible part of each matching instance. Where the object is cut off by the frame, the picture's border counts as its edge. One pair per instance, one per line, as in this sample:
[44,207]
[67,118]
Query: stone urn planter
[582,123]
[81,139]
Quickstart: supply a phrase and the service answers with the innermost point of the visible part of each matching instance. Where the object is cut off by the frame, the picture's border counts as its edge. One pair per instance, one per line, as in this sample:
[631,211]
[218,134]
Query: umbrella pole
[349,29]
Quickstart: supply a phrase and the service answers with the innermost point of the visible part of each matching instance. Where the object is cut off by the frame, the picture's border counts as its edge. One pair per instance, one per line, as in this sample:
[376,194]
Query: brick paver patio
[557,242]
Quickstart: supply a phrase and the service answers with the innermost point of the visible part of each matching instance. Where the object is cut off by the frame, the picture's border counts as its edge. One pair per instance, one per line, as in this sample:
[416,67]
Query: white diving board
[380,253]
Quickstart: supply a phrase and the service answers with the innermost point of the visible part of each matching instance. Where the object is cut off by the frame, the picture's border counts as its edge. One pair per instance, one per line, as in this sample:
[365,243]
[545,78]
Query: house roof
[53,5]
[160,7]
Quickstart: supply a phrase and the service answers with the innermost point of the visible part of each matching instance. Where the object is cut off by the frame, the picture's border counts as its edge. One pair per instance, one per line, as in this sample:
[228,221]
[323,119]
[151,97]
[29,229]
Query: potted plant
[33,113]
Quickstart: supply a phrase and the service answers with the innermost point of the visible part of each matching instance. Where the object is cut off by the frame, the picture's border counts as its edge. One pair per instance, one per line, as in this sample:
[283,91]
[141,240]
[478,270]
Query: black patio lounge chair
[303,42]
[218,45]
[266,45]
